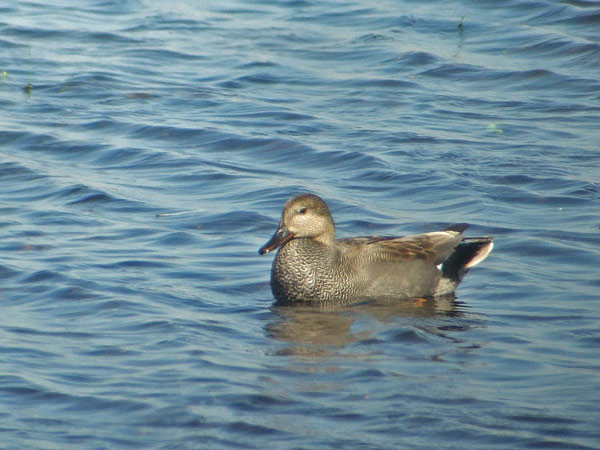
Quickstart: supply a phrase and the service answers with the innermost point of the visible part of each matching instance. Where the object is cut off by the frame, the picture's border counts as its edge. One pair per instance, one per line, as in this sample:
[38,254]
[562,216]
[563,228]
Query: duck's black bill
[281,236]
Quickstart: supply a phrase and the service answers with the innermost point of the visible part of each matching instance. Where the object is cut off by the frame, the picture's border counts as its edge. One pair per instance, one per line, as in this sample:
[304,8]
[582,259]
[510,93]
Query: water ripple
[146,156]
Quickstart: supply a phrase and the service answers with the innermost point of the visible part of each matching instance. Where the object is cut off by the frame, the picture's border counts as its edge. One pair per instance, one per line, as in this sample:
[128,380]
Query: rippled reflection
[326,329]
[127,326]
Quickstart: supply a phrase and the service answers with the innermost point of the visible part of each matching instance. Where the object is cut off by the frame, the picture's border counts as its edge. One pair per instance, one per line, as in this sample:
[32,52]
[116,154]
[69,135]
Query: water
[125,326]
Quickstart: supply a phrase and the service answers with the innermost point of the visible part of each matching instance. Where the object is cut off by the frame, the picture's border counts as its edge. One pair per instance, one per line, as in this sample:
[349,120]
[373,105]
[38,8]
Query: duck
[312,266]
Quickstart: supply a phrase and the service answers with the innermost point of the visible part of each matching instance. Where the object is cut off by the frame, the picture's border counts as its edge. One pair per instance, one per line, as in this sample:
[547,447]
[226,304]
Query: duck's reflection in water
[324,330]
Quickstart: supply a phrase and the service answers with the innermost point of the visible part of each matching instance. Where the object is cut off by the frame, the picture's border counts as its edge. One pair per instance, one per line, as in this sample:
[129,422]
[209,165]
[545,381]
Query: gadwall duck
[312,266]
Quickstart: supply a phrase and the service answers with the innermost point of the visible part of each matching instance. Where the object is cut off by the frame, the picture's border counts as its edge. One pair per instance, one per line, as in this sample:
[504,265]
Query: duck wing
[434,247]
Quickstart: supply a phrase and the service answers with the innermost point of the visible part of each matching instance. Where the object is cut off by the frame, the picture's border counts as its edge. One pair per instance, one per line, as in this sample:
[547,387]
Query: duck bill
[281,236]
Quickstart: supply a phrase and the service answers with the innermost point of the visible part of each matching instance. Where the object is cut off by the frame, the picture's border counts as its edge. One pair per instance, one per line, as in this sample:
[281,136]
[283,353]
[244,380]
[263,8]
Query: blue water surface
[147,149]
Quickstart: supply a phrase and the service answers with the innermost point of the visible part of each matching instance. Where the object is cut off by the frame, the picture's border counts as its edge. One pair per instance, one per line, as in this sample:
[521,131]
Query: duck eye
[303,210]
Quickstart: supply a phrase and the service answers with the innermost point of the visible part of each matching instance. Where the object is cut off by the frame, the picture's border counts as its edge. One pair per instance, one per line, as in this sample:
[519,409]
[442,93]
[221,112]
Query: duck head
[305,216]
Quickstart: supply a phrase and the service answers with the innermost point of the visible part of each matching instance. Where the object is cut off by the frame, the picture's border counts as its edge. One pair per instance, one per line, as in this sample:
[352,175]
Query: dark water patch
[121,234]
[342,56]
[256,402]
[216,328]
[152,326]
[45,422]
[83,195]
[32,192]
[189,275]
[27,394]
[164,133]
[543,13]
[94,84]
[110,307]
[387,83]
[237,220]
[411,59]
[514,195]
[61,333]
[7,273]
[360,18]
[19,246]
[124,159]
[582,20]
[582,3]
[77,378]
[24,138]
[33,33]
[25,352]
[49,146]
[258,65]
[176,417]
[231,84]
[161,329]
[243,288]
[578,18]
[220,174]
[110,352]
[231,143]
[250,429]
[72,293]
[163,55]
[177,239]
[159,22]
[376,173]
[67,35]
[277,115]
[90,199]
[369,374]
[108,125]
[371,38]
[348,417]
[99,404]
[141,96]
[110,38]
[548,317]
[42,276]
[533,181]
[134,264]
[409,336]
[541,80]
[262,78]
[558,47]
[591,341]
[548,250]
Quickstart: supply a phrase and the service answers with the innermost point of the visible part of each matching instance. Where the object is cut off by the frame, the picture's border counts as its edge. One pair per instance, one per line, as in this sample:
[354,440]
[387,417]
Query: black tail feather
[470,252]
[458,227]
